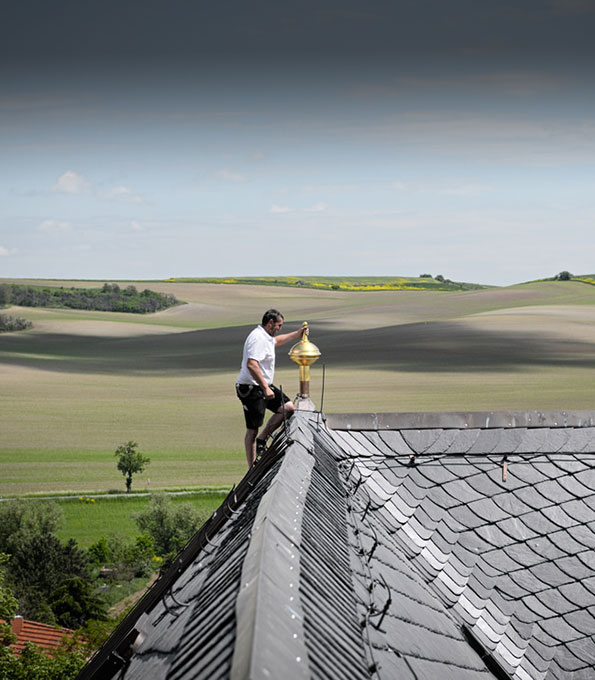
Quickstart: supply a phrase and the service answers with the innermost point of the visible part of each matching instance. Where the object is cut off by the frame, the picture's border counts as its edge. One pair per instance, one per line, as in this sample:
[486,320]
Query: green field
[87,520]
[81,383]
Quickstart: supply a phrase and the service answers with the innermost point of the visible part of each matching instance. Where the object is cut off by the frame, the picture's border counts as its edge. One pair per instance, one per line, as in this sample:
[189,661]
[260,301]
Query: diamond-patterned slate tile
[484,484]
[466,518]
[528,470]
[551,574]
[563,541]
[542,525]
[578,595]
[582,620]
[466,556]
[576,488]
[580,438]
[525,614]
[587,560]
[487,510]
[578,566]
[462,490]
[569,464]
[449,590]
[424,668]
[507,556]
[543,608]
[554,491]
[518,527]
[584,534]
[463,442]
[528,581]
[533,441]
[557,515]
[511,651]
[441,497]
[501,562]
[533,665]
[546,548]
[434,474]
[361,445]
[580,511]
[584,649]
[560,629]
[412,485]
[420,441]
[442,442]
[394,440]
[530,496]
[556,439]
[509,441]
[522,554]
[491,535]
[511,504]
[587,477]
[566,663]
[394,472]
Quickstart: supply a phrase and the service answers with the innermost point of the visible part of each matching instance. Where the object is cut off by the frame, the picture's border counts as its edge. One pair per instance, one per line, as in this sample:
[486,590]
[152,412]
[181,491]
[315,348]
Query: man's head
[272,321]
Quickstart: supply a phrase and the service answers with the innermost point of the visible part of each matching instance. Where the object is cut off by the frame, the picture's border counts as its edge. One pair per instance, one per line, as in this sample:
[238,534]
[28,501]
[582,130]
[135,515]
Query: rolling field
[80,383]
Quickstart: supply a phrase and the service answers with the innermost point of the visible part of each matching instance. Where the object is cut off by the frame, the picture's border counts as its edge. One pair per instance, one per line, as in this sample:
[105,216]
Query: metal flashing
[460,420]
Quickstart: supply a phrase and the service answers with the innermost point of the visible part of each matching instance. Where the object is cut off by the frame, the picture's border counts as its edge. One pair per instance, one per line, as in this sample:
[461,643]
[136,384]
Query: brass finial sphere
[304,353]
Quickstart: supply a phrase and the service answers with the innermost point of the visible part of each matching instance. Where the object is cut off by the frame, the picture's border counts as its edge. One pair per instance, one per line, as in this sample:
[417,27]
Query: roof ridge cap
[271,566]
[414,420]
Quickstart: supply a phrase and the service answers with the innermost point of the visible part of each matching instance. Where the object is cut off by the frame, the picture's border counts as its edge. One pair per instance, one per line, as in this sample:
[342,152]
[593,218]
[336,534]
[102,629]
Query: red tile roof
[44,636]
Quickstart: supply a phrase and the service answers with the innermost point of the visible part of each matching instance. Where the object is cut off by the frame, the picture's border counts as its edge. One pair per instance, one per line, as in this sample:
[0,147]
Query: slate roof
[411,546]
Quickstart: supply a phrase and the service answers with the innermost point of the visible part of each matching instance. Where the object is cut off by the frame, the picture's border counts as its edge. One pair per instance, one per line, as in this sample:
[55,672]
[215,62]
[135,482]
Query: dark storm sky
[146,139]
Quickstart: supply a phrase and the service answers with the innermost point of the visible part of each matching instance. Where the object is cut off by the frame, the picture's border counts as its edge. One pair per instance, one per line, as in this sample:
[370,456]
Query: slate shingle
[394,559]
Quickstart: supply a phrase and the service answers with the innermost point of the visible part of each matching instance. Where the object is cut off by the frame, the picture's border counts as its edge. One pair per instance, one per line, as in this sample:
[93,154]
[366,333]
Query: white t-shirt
[259,345]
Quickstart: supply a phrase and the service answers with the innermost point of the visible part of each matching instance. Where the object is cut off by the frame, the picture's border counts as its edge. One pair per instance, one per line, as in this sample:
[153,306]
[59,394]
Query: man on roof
[254,384]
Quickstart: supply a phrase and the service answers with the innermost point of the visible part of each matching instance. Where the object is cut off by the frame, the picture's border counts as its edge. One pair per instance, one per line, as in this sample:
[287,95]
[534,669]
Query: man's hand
[292,337]
[268,393]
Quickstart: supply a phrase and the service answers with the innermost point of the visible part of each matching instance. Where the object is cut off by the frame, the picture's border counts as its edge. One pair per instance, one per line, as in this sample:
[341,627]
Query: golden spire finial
[304,354]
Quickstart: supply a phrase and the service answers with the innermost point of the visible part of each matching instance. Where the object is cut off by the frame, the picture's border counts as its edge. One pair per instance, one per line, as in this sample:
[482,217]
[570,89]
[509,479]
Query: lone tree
[564,276]
[130,461]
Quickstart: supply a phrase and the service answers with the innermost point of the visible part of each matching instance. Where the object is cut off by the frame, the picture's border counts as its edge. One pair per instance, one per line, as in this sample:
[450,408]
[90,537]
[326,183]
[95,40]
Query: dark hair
[271,314]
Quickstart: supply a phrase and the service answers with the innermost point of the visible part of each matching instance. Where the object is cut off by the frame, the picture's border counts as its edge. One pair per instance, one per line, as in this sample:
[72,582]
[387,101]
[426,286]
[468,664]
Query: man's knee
[288,407]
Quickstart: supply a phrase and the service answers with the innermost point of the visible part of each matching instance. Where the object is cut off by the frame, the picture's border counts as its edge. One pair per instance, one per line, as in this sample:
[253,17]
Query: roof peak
[459,420]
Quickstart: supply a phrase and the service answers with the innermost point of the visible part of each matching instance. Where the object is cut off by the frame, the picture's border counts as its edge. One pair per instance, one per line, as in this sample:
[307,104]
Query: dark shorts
[255,405]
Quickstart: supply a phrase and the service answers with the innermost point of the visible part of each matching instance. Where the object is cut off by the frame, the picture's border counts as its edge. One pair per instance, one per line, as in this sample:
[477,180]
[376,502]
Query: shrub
[13,323]
[169,528]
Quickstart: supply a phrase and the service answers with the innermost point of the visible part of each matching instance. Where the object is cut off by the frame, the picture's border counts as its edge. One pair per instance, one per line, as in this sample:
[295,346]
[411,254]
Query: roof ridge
[462,420]
[269,612]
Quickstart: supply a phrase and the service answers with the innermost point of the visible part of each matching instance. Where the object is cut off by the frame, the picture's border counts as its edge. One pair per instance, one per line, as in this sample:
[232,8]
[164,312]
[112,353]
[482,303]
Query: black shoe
[261,447]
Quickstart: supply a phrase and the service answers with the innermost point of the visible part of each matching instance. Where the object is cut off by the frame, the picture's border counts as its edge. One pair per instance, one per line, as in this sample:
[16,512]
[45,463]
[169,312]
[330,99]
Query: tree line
[108,298]
[50,581]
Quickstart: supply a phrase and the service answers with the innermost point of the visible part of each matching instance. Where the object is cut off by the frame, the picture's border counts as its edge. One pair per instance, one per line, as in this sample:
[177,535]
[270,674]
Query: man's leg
[250,446]
[276,419]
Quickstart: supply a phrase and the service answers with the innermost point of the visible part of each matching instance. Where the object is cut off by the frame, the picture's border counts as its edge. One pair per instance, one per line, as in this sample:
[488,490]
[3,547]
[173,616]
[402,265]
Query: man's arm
[254,368]
[288,337]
